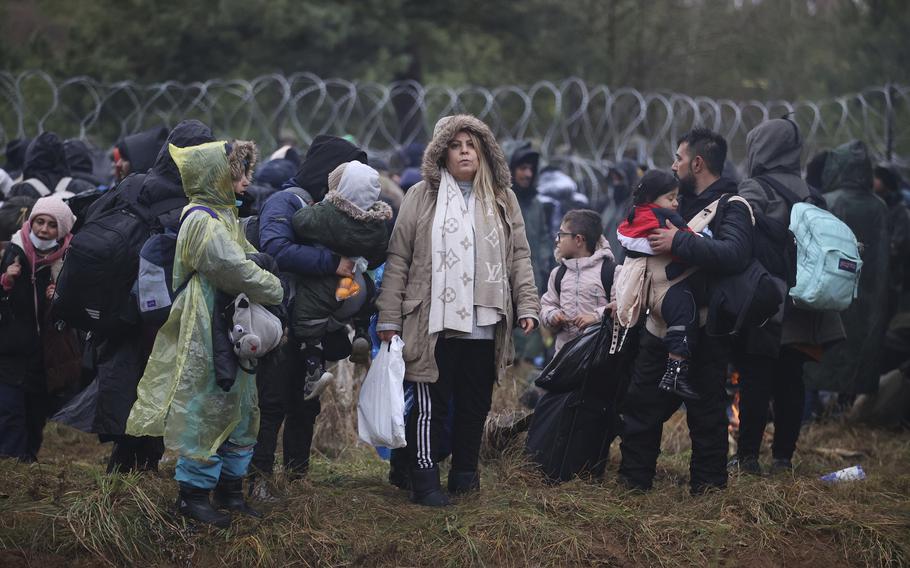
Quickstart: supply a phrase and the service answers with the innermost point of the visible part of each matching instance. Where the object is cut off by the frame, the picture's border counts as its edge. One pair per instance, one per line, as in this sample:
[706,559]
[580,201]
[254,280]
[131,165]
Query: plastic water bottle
[854,473]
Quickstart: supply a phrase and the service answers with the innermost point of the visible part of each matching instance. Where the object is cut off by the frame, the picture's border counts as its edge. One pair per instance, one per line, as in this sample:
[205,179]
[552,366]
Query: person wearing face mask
[28,271]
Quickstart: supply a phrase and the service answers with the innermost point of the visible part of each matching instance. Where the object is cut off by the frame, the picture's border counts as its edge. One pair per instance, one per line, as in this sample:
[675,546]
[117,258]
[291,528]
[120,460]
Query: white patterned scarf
[468,274]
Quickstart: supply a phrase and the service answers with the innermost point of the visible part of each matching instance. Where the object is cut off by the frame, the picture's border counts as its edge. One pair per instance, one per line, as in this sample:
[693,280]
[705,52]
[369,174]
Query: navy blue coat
[276,238]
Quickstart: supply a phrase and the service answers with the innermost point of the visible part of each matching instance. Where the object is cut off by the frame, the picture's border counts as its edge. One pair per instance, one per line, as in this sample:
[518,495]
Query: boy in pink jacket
[575,296]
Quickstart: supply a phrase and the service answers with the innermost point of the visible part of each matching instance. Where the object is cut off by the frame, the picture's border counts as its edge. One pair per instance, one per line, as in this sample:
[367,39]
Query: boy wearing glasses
[575,296]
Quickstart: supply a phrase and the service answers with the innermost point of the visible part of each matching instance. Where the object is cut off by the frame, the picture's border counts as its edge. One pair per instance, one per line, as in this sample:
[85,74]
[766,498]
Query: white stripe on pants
[425,412]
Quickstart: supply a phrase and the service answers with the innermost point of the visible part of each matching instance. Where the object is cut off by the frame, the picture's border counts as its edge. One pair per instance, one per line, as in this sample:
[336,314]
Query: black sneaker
[316,381]
[317,378]
[780,466]
[745,464]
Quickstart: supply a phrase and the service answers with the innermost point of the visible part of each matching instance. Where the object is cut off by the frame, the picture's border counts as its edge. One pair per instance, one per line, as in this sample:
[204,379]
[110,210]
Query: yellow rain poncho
[177,396]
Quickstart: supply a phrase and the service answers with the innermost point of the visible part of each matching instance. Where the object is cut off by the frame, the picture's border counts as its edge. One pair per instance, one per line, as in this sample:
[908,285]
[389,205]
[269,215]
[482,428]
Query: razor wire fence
[584,128]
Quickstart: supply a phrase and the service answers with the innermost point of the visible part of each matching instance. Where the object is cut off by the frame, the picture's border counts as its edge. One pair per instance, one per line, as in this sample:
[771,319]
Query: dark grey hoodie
[773,148]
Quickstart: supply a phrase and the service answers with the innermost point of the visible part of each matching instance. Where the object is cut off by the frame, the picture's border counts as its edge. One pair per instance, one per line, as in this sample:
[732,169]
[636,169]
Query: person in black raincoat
[137,153]
[886,183]
[852,367]
[121,358]
[15,157]
[45,170]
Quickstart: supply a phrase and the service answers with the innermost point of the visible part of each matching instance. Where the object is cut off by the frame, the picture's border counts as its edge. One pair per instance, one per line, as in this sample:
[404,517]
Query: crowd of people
[477,257]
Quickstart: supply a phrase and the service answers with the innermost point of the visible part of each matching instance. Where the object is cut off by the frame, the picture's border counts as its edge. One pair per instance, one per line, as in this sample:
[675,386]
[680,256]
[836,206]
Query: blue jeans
[230,461]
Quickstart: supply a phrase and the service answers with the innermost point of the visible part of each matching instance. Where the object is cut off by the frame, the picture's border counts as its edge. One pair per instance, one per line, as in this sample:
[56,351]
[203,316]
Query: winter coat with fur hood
[581,292]
[404,302]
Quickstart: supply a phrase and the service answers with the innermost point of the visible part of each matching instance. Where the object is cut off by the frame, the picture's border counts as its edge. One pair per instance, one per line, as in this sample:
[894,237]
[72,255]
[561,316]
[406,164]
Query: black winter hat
[325,154]
[142,148]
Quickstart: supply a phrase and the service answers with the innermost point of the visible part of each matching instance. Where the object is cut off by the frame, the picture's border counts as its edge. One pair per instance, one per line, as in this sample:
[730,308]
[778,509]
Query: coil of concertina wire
[583,127]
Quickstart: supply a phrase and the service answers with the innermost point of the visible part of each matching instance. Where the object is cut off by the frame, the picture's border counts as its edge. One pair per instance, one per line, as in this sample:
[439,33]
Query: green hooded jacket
[852,365]
[177,395]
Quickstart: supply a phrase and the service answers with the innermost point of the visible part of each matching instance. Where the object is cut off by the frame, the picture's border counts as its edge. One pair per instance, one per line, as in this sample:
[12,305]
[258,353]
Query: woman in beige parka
[457,280]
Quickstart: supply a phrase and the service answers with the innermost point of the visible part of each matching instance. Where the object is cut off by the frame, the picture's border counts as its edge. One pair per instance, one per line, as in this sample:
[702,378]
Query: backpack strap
[197,208]
[183,217]
[301,194]
[719,207]
[560,274]
[607,270]
[767,183]
[63,184]
[38,186]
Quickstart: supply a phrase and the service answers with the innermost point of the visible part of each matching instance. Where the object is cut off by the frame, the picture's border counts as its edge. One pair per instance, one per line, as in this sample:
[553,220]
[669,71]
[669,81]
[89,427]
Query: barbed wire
[585,128]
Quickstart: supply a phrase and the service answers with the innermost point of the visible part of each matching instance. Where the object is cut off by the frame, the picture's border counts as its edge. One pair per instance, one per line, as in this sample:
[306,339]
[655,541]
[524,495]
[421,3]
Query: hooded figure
[141,149]
[82,167]
[623,178]
[887,186]
[324,155]
[121,359]
[853,366]
[770,359]
[44,169]
[458,279]
[539,237]
[212,430]
[15,156]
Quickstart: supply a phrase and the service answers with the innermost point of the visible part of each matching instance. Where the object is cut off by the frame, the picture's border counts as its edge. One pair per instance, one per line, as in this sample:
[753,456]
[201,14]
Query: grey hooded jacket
[773,149]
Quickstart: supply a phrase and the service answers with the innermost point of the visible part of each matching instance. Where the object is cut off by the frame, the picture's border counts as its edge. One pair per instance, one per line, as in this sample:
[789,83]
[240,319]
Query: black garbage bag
[586,353]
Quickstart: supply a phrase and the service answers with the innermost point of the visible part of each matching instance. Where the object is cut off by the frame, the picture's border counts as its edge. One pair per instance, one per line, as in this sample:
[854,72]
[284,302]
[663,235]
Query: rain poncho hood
[177,396]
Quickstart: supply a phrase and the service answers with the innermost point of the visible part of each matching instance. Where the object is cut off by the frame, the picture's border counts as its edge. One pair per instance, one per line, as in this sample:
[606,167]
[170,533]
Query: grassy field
[65,512]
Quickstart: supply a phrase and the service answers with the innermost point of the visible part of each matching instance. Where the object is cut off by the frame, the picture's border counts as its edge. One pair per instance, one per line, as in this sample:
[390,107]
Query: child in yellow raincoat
[213,431]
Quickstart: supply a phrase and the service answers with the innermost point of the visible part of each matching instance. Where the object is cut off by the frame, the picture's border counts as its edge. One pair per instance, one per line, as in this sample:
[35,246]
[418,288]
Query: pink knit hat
[55,207]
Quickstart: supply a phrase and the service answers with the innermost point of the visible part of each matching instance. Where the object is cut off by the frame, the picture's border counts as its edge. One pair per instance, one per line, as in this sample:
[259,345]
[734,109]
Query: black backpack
[747,299]
[101,265]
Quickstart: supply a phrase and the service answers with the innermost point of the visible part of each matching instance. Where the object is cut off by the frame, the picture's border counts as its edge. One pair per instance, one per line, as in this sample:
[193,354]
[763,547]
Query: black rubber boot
[676,380]
[229,495]
[461,482]
[425,489]
[193,503]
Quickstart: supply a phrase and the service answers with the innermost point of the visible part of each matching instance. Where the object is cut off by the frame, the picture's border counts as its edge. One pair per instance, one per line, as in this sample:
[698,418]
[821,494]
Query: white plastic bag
[380,410]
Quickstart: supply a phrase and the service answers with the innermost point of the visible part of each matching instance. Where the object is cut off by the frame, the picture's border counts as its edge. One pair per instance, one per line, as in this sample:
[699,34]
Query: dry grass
[63,512]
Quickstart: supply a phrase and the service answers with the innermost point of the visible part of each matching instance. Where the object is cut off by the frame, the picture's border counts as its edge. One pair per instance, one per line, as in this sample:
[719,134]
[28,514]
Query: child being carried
[660,281]
[351,222]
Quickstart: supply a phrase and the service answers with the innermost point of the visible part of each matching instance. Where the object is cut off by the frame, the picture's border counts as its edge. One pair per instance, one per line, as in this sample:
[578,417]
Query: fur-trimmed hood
[445,130]
[379,212]
[243,157]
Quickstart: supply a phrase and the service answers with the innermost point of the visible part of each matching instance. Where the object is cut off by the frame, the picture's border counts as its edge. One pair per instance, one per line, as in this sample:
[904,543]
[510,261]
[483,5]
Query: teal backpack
[827,260]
